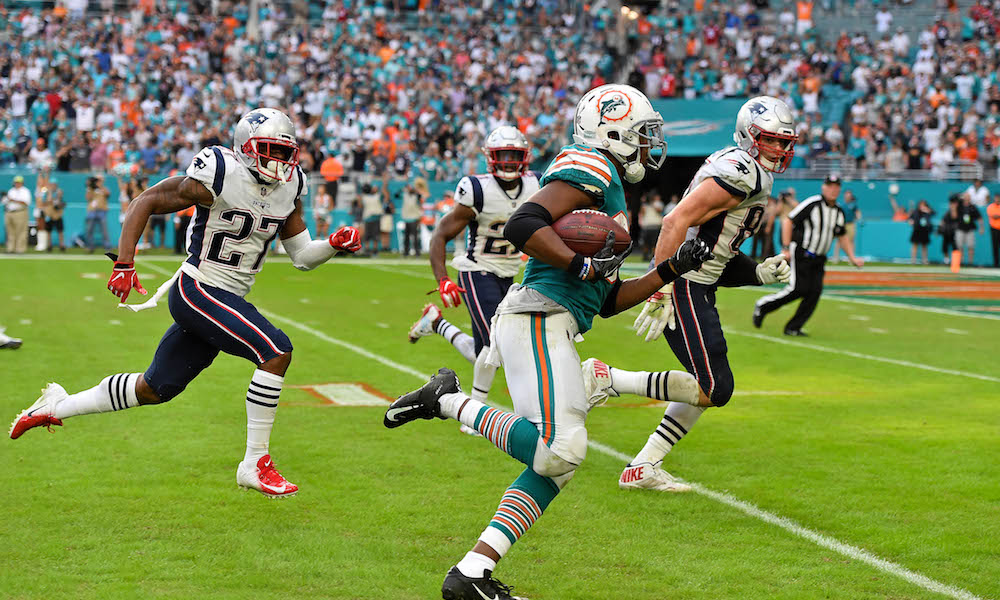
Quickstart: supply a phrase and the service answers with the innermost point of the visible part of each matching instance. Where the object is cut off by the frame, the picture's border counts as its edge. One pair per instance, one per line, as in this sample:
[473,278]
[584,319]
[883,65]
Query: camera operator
[97,212]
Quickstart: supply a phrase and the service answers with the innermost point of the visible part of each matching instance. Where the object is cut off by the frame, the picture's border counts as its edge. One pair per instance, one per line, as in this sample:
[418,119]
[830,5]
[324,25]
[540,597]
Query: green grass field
[880,432]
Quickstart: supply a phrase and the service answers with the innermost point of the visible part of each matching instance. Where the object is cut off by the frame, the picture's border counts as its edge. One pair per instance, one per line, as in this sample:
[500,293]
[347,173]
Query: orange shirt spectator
[331,169]
[993,214]
[385,53]
[936,98]
[384,147]
[804,10]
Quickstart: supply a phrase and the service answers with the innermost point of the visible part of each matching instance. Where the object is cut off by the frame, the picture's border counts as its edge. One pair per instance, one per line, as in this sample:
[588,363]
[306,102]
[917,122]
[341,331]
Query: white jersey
[739,174]
[227,241]
[486,248]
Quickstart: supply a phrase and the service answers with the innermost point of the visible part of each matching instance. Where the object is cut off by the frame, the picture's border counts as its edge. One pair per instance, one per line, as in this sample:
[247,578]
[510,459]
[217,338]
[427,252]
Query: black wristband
[666,272]
[576,266]
[124,265]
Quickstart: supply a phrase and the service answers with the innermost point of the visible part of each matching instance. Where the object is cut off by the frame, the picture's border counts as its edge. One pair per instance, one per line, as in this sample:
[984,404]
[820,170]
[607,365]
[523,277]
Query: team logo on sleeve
[613,106]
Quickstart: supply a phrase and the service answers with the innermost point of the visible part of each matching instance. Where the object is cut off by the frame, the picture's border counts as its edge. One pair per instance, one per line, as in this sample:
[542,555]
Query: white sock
[262,403]
[668,386]
[460,407]
[677,421]
[462,341]
[115,392]
[475,565]
[482,376]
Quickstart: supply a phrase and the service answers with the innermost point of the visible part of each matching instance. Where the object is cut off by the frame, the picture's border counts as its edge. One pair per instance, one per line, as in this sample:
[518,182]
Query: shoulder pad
[209,168]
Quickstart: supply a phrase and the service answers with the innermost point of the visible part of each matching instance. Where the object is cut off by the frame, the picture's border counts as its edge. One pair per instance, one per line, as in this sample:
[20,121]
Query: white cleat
[41,413]
[264,478]
[597,382]
[425,324]
[8,342]
[646,476]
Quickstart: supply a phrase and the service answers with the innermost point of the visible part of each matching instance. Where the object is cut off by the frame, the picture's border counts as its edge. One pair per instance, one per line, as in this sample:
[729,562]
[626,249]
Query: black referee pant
[806,283]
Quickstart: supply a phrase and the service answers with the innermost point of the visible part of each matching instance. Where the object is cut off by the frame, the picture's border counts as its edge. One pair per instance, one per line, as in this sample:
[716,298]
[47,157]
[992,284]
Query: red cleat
[264,478]
[39,414]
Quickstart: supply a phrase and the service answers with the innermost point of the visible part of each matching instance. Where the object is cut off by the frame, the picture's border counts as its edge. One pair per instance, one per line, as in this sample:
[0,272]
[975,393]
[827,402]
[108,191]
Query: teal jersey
[587,169]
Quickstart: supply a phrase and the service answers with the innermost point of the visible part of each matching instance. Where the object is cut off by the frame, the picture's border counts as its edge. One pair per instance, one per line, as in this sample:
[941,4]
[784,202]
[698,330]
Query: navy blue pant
[208,320]
[483,293]
[698,342]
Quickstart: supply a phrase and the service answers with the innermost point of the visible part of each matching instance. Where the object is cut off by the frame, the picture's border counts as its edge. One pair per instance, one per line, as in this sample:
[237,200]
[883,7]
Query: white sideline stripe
[859,554]
[788,525]
[871,357]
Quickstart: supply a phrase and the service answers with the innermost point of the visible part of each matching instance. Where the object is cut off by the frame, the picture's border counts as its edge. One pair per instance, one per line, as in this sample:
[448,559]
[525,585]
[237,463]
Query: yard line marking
[859,318]
[871,357]
[854,552]
[956,331]
[878,330]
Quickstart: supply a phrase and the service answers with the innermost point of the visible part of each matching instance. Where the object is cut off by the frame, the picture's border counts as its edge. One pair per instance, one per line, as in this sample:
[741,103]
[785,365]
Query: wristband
[579,267]
[666,271]
[123,265]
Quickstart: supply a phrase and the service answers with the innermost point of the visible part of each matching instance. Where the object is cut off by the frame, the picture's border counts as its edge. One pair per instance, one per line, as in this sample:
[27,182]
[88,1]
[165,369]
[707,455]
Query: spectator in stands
[97,213]
[852,217]
[17,204]
[993,215]
[969,221]
[922,221]
[40,157]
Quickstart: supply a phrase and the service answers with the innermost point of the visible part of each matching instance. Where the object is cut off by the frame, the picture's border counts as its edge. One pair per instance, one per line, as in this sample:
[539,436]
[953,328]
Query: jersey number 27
[248,225]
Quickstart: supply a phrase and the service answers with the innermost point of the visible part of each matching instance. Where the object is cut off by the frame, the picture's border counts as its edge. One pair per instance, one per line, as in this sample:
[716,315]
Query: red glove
[346,239]
[123,279]
[449,291]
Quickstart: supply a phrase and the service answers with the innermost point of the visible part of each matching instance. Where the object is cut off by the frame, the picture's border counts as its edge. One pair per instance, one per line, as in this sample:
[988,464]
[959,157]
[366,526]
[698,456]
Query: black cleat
[758,317]
[796,333]
[459,587]
[422,403]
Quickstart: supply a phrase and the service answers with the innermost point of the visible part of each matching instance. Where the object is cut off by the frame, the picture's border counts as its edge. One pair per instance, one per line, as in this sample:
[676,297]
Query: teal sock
[513,434]
[521,505]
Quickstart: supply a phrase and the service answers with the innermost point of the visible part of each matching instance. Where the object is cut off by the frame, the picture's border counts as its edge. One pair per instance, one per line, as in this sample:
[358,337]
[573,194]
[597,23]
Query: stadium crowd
[920,102]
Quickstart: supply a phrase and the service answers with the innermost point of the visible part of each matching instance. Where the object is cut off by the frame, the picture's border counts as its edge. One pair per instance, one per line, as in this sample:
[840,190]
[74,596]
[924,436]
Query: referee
[806,237]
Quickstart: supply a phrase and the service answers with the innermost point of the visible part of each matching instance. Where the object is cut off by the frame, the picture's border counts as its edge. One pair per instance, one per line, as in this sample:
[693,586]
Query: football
[585,231]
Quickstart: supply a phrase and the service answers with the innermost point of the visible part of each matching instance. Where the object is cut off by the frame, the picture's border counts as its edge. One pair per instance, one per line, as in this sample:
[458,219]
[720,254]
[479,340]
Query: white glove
[657,313]
[774,270]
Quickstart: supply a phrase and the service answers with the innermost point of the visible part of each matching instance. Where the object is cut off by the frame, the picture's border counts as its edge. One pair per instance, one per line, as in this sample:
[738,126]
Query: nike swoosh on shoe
[485,597]
[392,412]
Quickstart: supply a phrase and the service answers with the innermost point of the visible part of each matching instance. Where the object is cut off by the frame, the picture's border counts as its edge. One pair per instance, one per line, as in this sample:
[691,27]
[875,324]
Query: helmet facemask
[275,159]
[645,135]
[774,151]
[507,162]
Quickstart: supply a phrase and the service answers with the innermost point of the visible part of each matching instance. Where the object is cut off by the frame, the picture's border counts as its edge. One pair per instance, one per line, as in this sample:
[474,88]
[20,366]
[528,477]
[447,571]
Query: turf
[894,459]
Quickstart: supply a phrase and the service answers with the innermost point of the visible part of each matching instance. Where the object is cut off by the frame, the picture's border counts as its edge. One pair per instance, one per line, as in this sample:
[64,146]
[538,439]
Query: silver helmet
[507,153]
[765,129]
[264,141]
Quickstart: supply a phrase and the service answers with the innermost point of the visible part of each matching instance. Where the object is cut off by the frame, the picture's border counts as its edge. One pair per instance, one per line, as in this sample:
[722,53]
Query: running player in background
[724,205]
[244,197]
[486,270]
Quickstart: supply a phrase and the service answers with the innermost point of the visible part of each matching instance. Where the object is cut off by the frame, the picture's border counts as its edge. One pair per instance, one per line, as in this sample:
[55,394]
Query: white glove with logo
[657,313]
[774,270]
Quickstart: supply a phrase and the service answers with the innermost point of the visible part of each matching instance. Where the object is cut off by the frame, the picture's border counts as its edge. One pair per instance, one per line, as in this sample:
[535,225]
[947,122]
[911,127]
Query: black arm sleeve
[526,220]
[741,270]
[608,308]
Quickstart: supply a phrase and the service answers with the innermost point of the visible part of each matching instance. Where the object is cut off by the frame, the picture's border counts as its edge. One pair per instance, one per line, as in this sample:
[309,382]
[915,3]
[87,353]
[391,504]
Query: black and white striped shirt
[815,224]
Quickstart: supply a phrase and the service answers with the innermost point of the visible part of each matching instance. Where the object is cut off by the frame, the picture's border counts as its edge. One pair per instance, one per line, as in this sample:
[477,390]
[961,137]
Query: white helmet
[264,141]
[506,152]
[619,118]
[766,123]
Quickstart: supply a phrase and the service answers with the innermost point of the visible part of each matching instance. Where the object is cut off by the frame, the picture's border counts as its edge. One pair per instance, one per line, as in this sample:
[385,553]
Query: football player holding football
[486,270]
[724,206]
[618,138]
[244,197]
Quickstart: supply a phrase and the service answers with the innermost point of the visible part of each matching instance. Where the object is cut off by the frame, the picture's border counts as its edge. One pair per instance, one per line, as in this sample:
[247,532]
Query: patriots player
[616,132]
[723,205]
[483,204]
[244,197]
